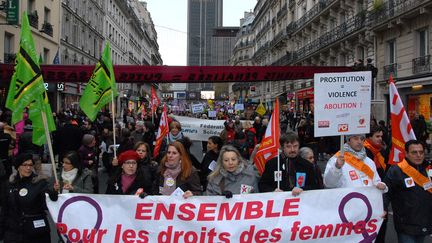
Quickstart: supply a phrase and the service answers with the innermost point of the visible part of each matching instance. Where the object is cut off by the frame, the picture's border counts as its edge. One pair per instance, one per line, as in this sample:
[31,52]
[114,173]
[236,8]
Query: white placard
[197,108]
[212,113]
[342,103]
[239,107]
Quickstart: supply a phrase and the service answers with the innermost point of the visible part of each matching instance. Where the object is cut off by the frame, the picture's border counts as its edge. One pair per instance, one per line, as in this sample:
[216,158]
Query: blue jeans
[404,238]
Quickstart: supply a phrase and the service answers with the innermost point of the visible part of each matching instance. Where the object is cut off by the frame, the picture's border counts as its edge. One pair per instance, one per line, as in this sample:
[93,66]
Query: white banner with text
[333,215]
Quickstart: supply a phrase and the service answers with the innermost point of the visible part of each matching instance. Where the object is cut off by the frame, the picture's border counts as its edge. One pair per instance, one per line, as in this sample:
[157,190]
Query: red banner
[178,74]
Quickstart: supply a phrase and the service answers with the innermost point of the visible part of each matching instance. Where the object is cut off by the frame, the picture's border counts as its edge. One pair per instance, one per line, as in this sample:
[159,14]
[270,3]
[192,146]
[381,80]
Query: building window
[47,15]
[422,41]
[360,52]
[45,55]
[391,51]
[9,53]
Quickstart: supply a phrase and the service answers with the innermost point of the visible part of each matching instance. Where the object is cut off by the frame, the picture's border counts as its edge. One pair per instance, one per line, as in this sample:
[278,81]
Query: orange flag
[402,131]
[162,132]
[269,146]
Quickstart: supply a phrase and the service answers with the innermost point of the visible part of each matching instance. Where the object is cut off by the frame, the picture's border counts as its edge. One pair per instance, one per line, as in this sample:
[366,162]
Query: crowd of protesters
[82,147]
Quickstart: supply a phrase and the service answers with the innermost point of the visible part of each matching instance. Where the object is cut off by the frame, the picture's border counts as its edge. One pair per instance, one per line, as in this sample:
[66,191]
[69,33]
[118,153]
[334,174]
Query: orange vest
[357,164]
[378,158]
[418,178]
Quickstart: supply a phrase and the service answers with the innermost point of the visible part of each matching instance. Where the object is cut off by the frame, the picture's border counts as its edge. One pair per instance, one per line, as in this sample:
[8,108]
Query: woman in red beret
[127,179]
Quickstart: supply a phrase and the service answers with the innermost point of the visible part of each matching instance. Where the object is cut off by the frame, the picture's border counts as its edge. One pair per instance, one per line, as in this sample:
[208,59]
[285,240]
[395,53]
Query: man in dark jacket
[296,173]
[410,192]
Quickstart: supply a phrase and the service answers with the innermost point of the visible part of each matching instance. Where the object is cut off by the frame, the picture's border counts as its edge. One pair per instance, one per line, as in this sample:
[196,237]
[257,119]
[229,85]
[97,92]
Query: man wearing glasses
[410,192]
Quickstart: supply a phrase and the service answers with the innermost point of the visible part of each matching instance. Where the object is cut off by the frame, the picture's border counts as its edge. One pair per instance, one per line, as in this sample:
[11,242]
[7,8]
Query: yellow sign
[261,109]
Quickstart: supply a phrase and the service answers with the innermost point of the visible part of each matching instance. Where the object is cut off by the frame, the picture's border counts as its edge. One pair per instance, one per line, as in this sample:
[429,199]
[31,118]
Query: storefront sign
[343,215]
[305,93]
[342,103]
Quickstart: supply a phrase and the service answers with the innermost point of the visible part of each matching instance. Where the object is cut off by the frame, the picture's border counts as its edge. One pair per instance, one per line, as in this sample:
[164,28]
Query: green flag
[35,115]
[26,83]
[101,86]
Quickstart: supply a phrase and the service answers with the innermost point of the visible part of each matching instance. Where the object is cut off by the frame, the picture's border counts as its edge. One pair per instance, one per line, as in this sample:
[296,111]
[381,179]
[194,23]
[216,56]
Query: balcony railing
[345,29]
[34,19]
[284,60]
[282,12]
[261,50]
[421,64]
[390,69]
[291,3]
[9,58]
[391,9]
[47,28]
[263,30]
[281,36]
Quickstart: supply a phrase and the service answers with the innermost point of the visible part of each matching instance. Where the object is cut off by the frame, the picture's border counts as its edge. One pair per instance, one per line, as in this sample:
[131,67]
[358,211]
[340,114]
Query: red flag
[143,111]
[269,146]
[402,131]
[155,102]
[162,132]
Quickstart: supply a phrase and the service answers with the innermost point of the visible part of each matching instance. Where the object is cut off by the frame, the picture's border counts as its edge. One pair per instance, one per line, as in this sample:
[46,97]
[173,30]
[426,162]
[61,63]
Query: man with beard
[297,174]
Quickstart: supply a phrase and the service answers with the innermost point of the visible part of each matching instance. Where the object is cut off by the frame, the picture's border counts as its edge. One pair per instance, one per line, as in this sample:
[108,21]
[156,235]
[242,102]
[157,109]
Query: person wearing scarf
[354,168]
[73,177]
[174,134]
[22,202]
[232,175]
[176,171]
[410,194]
[127,178]
[375,149]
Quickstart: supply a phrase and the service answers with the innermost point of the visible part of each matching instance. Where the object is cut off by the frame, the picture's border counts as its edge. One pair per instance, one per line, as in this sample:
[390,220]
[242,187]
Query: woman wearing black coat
[127,178]
[23,218]
[214,145]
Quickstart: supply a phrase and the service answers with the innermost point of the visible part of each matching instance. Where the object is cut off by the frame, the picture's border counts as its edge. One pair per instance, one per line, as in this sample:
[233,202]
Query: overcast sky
[170,19]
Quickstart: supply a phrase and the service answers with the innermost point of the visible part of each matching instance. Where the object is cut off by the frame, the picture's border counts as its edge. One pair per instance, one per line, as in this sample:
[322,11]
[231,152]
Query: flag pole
[49,142]
[278,170]
[113,123]
[342,142]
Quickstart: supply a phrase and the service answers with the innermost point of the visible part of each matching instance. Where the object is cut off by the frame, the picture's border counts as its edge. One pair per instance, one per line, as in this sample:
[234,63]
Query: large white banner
[342,103]
[200,129]
[333,215]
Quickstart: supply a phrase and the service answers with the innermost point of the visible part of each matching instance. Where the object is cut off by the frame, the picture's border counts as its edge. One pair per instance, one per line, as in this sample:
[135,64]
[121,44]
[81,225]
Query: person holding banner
[128,179]
[23,217]
[176,173]
[354,168]
[410,193]
[294,173]
[232,175]
[73,177]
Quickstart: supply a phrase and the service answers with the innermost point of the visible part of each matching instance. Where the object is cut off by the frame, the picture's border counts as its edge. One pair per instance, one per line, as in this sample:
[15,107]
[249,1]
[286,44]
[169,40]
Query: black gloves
[53,195]
[142,195]
[227,194]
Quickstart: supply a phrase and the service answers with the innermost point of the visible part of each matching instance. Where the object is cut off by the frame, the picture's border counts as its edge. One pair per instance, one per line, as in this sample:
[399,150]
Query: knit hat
[21,158]
[128,155]
[347,137]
